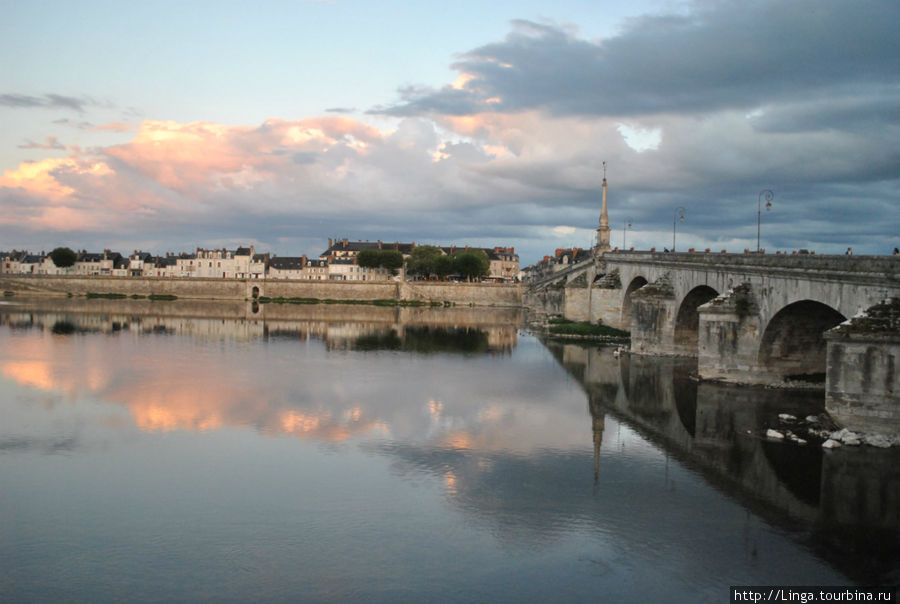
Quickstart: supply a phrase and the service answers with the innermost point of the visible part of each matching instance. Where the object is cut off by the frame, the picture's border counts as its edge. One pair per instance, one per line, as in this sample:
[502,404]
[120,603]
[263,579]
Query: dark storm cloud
[851,113]
[47,101]
[722,55]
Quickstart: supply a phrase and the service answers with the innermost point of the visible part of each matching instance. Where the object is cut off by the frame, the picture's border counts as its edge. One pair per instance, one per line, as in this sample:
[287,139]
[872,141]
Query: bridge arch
[793,344]
[636,283]
[687,320]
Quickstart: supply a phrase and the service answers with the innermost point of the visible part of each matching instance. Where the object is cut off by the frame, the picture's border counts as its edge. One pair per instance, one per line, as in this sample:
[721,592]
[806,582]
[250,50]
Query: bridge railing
[832,262]
[852,268]
[557,275]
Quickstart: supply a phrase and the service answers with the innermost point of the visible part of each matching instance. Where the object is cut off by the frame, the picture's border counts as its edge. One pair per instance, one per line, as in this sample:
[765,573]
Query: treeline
[429,261]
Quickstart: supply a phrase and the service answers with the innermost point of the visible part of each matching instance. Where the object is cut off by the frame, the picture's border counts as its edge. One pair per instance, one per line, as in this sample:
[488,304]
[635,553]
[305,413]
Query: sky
[166,126]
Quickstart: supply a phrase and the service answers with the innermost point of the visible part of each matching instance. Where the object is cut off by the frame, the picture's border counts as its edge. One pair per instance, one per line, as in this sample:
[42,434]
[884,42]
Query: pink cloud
[114,127]
[198,156]
[78,192]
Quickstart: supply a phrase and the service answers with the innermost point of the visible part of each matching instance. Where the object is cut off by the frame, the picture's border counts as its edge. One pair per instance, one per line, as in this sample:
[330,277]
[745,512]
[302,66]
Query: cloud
[51,142]
[702,109]
[720,55]
[83,125]
[115,127]
[47,101]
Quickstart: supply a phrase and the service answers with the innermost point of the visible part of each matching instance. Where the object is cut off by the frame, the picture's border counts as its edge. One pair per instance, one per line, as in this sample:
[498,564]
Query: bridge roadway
[750,318]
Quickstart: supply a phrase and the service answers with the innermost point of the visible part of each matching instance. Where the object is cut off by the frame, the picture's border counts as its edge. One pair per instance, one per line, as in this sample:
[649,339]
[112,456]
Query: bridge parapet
[854,268]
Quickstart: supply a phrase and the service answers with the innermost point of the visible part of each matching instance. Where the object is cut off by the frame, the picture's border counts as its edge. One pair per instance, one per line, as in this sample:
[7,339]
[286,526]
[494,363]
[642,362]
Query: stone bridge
[753,318]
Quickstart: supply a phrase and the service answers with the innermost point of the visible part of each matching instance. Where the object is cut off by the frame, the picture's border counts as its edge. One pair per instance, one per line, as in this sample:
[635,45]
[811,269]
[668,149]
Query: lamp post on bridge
[679,217]
[627,225]
[769,195]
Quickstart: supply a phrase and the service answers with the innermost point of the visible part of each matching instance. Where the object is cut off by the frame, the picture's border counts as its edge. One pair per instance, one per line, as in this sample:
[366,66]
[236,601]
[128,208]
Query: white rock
[878,440]
[812,419]
[770,433]
[787,417]
[851,442]
[831,444]
[848,436]
[839,434]
[801,441]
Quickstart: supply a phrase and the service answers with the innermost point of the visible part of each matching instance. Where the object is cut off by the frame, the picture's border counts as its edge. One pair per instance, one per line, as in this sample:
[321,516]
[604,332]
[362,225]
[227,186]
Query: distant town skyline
[166,126]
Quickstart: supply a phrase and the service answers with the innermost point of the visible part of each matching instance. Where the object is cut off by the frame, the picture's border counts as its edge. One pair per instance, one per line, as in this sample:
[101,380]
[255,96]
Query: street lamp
[769,195]
[626,226]
[679,217]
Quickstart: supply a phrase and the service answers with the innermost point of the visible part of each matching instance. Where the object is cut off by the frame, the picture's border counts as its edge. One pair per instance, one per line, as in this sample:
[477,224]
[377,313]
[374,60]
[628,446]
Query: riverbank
[468,294]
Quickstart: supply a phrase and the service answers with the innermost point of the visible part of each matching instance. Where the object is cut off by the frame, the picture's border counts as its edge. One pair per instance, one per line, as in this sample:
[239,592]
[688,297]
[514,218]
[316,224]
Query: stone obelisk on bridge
[603,229]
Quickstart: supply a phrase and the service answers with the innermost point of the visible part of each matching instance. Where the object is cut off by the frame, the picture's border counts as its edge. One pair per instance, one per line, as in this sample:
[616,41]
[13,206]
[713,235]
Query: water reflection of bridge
[843,498]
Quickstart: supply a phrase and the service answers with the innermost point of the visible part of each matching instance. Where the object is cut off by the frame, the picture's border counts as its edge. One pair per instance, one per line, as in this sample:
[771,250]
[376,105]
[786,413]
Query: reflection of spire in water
[597,425]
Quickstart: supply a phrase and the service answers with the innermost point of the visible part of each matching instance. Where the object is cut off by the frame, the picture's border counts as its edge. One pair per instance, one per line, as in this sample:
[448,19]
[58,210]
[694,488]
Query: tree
[391,260]
[387,259]
[369,258]
[472,264]
[443,266]
[63,257]
[422,260]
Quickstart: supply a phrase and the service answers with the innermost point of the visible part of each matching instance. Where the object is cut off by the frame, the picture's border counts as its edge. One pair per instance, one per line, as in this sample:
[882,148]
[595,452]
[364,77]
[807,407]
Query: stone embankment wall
[551,300]
[477,294]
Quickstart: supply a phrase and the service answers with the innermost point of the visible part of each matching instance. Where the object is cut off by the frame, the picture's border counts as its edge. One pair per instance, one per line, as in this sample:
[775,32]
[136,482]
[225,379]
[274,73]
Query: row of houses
[561,260]
[337,263]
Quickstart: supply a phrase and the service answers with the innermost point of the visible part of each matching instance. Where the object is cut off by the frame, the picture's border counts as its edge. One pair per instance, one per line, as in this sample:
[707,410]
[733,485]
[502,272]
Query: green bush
[583,328]
[107,296]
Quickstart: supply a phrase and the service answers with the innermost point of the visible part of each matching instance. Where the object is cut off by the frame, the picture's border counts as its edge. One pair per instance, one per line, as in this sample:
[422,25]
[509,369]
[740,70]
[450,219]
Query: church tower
[603,229]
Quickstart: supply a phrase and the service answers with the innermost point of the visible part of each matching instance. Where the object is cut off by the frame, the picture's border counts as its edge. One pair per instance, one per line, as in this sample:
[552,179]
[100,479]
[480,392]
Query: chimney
[330,242]
[345,242]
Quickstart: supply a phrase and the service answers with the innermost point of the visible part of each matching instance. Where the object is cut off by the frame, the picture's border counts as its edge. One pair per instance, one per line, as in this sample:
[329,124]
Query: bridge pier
[578,297]
[728,338]
[653,311]
[862,389]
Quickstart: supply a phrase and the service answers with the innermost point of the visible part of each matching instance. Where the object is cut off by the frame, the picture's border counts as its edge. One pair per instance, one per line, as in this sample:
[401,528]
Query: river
[184,451]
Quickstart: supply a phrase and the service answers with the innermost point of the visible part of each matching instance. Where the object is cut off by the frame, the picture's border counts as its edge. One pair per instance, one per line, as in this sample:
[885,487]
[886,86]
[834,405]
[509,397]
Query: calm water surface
[188,452]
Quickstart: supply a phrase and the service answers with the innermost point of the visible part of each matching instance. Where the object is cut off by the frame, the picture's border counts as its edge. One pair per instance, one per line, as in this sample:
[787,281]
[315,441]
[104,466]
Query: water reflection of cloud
[35,374]
[281,388]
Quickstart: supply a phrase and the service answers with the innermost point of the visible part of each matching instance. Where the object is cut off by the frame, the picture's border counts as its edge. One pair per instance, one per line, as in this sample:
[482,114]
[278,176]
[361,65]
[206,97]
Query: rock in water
[770,433]
[831,444]
[878,440]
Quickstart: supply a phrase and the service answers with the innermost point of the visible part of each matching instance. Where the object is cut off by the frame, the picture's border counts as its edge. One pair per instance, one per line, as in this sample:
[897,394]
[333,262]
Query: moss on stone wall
[882,319]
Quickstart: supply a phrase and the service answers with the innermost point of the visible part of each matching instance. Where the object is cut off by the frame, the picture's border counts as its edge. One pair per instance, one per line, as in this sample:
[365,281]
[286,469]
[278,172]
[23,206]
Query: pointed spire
[603,229]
